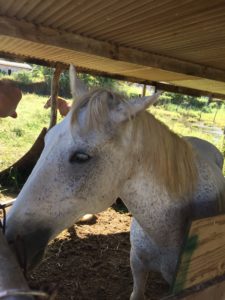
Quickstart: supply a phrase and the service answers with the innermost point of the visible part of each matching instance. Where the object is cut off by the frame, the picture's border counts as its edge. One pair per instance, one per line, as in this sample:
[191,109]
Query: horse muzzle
[29,248]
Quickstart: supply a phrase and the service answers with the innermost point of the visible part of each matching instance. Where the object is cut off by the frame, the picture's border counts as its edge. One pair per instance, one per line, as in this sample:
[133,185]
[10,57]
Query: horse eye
[79,157]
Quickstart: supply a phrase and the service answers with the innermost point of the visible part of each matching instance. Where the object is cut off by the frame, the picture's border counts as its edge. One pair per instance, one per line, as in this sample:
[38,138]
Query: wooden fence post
[144,90]
[54,95]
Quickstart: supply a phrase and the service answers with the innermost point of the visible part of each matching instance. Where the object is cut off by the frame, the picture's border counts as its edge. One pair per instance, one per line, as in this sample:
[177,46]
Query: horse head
[81,170]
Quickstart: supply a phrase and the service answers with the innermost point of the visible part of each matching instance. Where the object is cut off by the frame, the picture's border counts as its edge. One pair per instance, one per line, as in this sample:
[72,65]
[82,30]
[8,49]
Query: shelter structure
[177,46]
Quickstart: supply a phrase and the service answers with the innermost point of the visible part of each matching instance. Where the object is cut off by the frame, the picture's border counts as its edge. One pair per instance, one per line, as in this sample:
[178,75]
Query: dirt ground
[91,262]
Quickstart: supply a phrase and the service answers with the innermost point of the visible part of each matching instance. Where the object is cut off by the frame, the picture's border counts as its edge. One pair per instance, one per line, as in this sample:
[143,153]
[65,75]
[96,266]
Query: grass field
[17,135]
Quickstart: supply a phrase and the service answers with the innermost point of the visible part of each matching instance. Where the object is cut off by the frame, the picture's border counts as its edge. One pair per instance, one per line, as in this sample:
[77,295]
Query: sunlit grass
[17,135]
[189,124]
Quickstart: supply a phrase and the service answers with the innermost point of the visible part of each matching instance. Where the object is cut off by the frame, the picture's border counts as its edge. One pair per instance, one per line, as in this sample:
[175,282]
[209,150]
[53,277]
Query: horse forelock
[98,104]
[152,145]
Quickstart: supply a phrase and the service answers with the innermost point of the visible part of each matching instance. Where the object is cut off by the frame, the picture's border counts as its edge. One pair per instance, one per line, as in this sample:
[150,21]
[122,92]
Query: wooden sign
[203,256]
[214,290]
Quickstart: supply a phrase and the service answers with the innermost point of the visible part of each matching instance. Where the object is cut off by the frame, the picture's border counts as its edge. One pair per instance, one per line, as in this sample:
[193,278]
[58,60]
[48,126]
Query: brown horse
[62,105]
[10,95]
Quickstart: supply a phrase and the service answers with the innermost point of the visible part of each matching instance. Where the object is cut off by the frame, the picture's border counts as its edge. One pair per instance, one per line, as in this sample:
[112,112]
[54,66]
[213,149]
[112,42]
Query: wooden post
[218,106]
[201,268]
[144,90]
[54,95]
[11,277]
[223,144]
[210,98]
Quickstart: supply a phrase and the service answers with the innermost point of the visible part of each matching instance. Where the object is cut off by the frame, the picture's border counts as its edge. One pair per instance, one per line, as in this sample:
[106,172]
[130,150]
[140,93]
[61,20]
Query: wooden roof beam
[43,35]
[159,85]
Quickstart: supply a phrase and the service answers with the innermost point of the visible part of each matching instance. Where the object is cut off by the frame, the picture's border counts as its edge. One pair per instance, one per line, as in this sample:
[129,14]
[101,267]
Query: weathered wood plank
[203,256]
[213,289]
[215,292]
[96,48]
[159,85]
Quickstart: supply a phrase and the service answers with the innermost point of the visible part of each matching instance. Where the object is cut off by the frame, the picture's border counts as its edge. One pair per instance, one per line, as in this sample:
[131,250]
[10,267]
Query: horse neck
[149,203]
[139,191]
[142,184]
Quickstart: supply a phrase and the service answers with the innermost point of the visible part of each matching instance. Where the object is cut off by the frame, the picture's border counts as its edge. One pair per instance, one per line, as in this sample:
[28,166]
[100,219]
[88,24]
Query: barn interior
[175,46]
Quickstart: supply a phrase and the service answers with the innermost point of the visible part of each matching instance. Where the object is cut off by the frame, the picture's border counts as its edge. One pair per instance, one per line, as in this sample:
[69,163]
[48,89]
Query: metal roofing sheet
[192,31]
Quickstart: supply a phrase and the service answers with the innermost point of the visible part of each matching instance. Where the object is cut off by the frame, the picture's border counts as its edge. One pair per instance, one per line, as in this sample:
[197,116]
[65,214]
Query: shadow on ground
[91,262]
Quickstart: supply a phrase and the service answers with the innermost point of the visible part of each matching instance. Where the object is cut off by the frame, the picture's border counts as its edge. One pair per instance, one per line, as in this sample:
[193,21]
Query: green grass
[188,123]
[18,135]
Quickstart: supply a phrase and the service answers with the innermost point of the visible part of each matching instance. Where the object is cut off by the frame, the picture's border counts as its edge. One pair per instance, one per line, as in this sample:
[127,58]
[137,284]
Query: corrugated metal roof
[188,30]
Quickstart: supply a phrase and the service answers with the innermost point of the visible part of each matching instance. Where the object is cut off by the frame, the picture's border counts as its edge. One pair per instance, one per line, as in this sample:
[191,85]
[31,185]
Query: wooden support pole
[54,95]
[144,90]
[11,277]
[210,99]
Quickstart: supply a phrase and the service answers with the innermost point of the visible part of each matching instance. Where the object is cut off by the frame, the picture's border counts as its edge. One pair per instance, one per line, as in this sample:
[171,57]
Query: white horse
[109,147]
[206,150]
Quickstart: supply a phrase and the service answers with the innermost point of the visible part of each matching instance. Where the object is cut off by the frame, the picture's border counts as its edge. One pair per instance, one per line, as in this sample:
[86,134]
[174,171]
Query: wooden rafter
[159,85]
[96,48]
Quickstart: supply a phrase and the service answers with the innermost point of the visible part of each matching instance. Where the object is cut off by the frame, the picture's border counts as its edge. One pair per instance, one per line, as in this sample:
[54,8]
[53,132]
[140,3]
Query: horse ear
[127,110]
[78,88]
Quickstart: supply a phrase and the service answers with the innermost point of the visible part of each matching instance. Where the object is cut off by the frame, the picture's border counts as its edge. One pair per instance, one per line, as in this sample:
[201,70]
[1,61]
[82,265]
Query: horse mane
[153,145]
[98,103]
[170,157]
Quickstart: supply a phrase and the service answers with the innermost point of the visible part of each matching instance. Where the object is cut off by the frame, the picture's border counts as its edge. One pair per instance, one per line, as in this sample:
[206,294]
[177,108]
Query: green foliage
[24,77]
[37,74]
[64,85]
[27,81]
[183,100]
[18,131]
